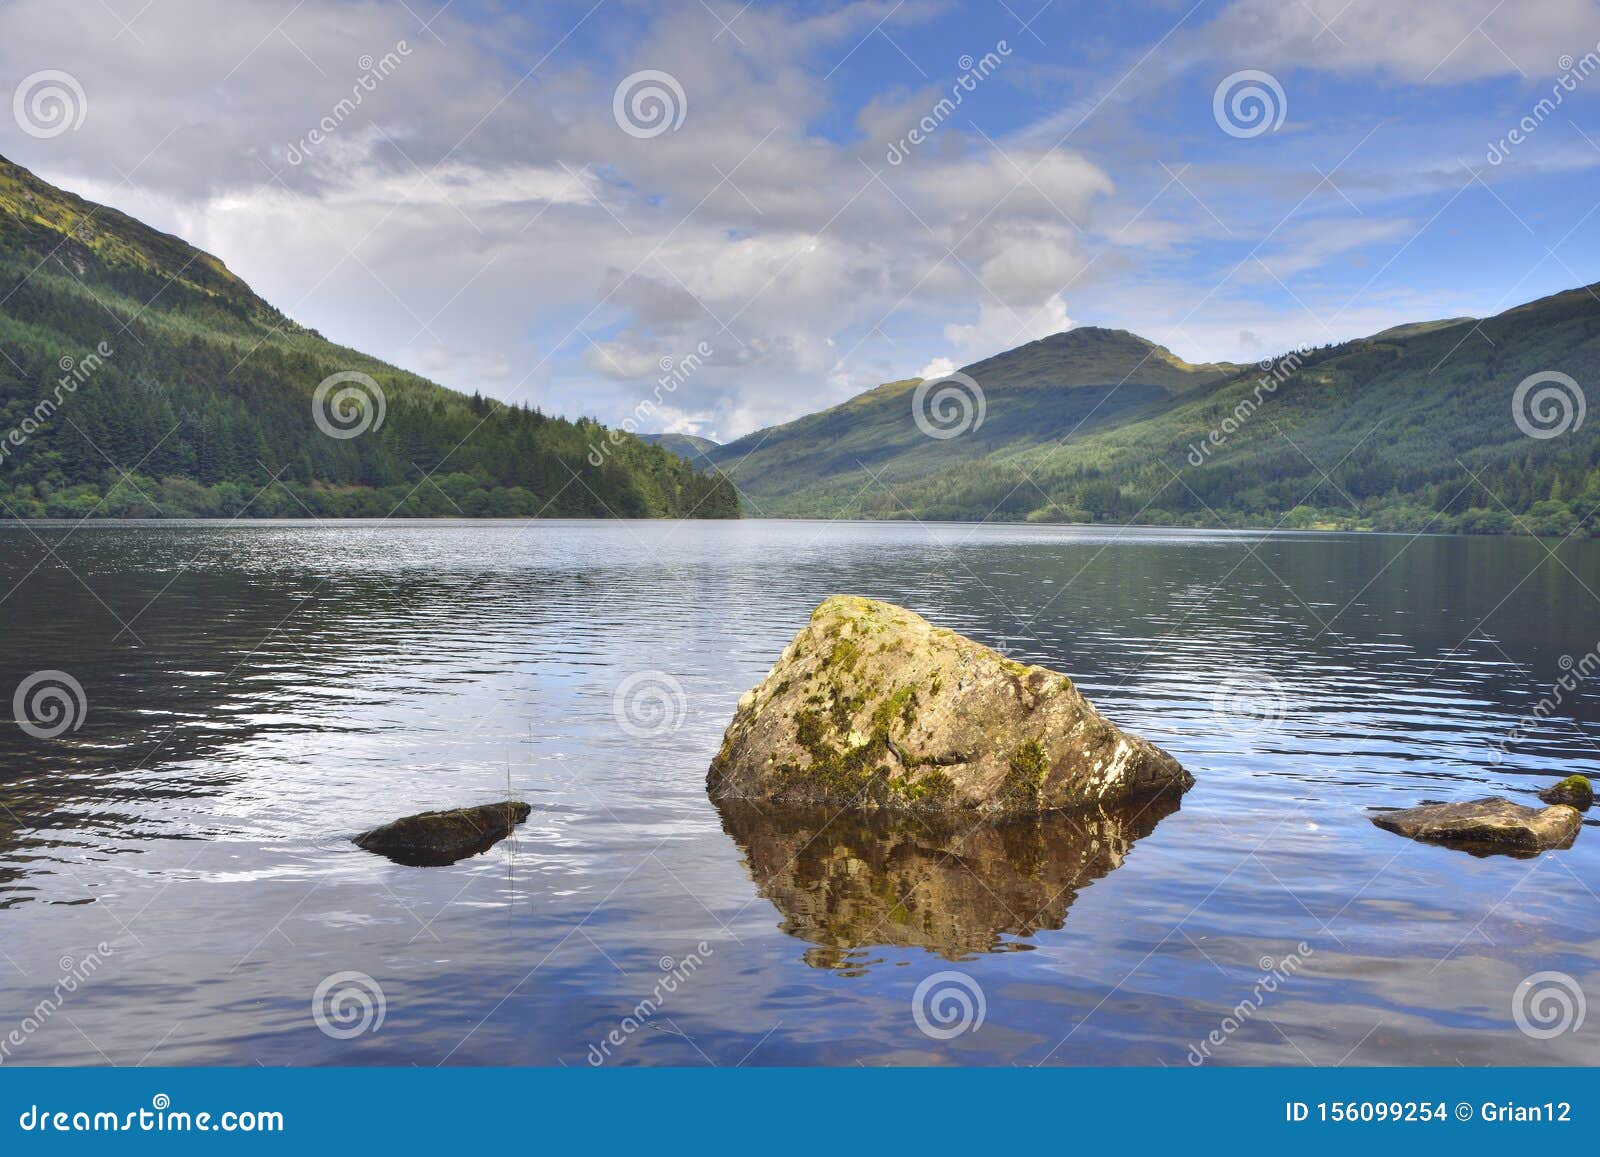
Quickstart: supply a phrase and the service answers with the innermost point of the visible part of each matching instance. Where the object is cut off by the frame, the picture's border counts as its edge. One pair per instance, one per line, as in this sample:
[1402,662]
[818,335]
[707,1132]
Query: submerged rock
[871,705]
[433,839]
[846,883]
[1493,824]
[1574,790]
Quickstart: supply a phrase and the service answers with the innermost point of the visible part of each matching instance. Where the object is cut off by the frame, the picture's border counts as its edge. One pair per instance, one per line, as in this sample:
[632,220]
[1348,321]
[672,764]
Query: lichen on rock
[1574,790]
[872,705]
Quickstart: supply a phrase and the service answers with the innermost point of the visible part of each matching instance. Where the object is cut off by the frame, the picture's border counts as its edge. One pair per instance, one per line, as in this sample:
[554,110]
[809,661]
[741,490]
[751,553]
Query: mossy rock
[1574,790]
[873,706]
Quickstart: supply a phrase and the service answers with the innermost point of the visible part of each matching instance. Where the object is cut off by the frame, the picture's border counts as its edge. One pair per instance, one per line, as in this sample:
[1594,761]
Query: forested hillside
[1422,427]
[1085,378]
[139,377]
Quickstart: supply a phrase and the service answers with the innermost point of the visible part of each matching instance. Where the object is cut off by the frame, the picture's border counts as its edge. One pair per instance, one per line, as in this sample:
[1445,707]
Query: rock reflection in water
[948,885]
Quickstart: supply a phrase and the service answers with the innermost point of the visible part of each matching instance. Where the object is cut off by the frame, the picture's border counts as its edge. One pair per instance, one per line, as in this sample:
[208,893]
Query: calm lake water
[258,693]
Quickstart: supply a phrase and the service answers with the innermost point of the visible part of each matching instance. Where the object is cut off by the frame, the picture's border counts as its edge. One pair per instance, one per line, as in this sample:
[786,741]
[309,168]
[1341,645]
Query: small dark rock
[1574,790]
[433,839]
[1486,826]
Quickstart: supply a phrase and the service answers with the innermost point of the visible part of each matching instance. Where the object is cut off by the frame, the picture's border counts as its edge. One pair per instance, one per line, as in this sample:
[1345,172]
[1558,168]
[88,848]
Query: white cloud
[494,227]
[1440,42]
[1000,328]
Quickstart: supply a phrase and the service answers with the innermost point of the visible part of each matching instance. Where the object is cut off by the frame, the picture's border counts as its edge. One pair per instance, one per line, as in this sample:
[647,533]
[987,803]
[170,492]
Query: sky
[783,205]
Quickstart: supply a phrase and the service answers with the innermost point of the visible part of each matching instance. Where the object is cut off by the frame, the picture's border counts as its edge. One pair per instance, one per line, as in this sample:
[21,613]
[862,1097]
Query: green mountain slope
[1084,379]
[139,377]
[690,447]
[1410,429]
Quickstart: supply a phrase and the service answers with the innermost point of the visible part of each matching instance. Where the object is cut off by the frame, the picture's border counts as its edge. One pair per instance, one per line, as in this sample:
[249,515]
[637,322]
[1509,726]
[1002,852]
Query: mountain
[1083,379]
[690,447]
[1411,429]
[139,377]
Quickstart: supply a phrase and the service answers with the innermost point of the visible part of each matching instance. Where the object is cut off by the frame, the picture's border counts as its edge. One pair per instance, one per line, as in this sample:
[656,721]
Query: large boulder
[872,705]
[433,839]
[1491,824]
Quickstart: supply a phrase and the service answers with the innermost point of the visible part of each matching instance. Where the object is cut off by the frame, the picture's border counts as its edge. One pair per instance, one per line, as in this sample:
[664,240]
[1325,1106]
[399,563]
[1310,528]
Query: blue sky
[485,217]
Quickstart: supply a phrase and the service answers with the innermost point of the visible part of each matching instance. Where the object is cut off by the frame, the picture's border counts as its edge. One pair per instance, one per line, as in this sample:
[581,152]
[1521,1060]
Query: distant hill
[140,377]
[1083,379]
[690,447]
[1413,427]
